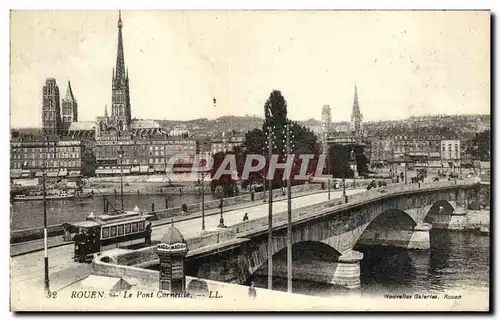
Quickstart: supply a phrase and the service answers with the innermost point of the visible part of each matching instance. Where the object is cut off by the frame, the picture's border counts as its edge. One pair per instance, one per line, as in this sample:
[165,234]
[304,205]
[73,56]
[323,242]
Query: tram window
[105,232]
[141,226]
[134,227]
[120,229]
[127,228]
[113,231]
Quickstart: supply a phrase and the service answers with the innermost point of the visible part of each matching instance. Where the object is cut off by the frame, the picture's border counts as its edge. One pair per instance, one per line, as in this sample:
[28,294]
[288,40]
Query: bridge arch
[389,220]
[443,208]
[259,257]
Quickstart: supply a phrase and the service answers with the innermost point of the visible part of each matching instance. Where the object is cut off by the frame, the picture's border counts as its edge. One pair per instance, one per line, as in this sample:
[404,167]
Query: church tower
[69,108]
[51,108]
[120,109]
[356,117]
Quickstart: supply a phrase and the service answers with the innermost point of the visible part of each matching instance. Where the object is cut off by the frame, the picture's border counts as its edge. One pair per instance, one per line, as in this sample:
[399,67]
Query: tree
[303,140]
[480,146]
[89,164]
[225,181]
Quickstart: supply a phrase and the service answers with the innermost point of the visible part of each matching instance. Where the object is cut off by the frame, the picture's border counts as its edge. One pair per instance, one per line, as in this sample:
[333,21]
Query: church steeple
[356,116]
[120,59]
[120,108]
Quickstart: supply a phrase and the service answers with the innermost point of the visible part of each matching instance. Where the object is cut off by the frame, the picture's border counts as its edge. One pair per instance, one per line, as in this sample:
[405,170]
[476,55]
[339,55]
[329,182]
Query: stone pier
[347,272]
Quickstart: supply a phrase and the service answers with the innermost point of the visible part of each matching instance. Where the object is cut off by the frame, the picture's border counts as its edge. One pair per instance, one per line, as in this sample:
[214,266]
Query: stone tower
[172,254]
[356,117]
[51,109]
[120,109]
[326,119]
[69,108]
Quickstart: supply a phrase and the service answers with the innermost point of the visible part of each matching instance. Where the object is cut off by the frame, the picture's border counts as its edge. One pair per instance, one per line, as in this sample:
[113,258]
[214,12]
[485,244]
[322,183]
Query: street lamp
[120,154]
[221,221]
[353,159]
[202,186]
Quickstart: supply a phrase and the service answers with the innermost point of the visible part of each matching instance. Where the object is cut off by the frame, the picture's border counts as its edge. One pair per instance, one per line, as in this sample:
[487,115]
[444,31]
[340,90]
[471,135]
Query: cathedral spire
[120,60]
[356,113]
[356,117]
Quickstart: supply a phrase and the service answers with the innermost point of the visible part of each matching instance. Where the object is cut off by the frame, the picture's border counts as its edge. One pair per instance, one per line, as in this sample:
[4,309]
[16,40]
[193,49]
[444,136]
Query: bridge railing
[325,207]
[307,212]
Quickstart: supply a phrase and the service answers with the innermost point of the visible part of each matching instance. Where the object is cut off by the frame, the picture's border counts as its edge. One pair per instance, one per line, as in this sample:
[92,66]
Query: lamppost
[221,221]
[353,159]
[120,154]
[202,187]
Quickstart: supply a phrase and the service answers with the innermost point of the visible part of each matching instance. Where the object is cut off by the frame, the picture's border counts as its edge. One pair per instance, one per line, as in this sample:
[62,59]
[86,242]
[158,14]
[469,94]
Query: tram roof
[104,219]
[85,224]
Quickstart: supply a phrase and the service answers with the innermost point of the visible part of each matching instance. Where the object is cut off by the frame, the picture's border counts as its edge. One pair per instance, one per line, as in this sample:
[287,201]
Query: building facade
[51,109]
[450,150]
[140,155]
[59,156]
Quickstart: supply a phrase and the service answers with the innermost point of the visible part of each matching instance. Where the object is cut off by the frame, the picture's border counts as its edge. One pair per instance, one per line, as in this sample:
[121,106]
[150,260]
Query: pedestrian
[252,293]
[245,217]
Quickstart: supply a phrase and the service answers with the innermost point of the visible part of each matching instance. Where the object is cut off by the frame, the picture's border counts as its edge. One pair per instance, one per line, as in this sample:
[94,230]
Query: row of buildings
[381,148]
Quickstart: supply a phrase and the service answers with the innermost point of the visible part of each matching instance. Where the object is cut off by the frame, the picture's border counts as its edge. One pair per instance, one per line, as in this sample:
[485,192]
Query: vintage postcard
[250,161]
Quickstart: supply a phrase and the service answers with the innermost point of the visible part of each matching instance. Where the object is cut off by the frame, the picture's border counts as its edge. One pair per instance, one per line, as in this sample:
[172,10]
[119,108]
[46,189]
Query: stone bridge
[398,216]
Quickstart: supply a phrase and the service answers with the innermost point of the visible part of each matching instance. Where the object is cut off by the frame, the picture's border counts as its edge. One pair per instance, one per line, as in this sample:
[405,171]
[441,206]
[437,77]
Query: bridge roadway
[27,269]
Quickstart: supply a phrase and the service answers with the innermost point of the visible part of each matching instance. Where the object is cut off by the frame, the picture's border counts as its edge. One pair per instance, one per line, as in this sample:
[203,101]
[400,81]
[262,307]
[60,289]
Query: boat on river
[59,195]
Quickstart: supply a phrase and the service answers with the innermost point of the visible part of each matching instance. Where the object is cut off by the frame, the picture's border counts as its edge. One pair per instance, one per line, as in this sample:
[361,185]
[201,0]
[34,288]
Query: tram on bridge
[101,232]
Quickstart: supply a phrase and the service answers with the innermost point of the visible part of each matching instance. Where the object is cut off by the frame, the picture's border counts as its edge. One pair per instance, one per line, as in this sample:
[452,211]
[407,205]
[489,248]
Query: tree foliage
[480,146]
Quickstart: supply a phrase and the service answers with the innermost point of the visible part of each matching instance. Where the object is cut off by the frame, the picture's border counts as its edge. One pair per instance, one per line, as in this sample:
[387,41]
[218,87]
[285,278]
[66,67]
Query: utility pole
[270,222]
[406,168]
[202,188]
[45,223]
[120,154]
[202,202]
[289,225]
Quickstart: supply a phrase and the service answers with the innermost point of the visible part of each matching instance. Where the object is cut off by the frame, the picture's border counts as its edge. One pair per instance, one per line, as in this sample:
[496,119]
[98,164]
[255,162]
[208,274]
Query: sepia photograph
[284,160]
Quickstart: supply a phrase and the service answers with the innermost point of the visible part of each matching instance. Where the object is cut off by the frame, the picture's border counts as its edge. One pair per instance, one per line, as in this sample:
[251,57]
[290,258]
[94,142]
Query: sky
[404,63]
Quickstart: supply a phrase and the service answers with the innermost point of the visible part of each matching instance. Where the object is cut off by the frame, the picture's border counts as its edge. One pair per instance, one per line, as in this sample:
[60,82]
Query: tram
[101,232]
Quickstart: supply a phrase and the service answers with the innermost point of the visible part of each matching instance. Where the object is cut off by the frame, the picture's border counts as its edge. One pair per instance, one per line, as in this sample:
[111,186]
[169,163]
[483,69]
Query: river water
[29,214]
[455,260]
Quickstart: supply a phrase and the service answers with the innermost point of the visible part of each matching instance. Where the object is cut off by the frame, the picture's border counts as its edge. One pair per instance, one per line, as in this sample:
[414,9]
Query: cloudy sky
[404,63]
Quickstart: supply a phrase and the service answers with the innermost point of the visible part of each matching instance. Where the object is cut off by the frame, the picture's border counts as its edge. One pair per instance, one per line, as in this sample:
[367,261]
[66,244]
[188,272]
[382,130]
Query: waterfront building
[226,142]
[63,157]
[141,155]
